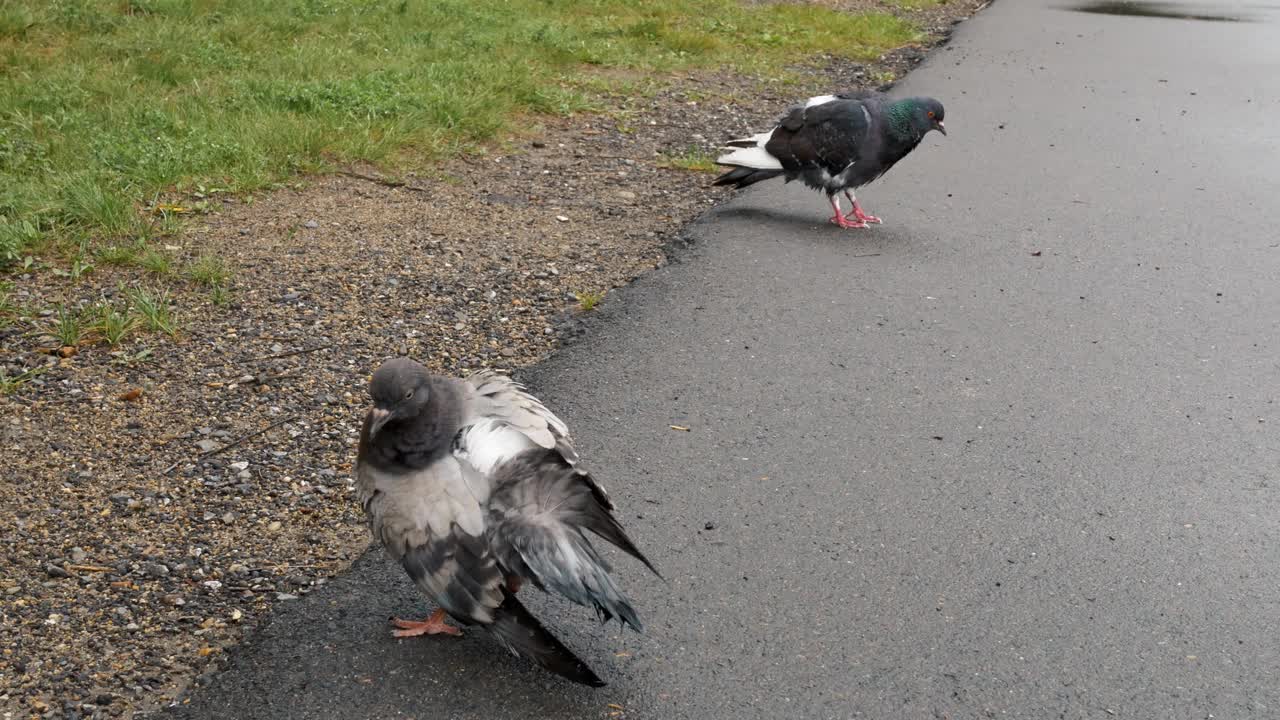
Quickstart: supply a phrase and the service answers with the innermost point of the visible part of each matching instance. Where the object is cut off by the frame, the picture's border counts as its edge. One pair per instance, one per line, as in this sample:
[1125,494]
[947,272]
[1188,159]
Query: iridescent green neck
[899,114]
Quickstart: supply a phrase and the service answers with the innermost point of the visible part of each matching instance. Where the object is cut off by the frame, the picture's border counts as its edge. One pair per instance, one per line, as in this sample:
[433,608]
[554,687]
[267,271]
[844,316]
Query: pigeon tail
[753,156]
[523,635]
[750,161]
[741,177]
[539,508]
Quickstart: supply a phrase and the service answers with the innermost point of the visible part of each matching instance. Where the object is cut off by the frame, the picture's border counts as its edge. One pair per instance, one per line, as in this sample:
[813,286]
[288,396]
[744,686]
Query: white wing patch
[488,443]
[501,399]
[819,100]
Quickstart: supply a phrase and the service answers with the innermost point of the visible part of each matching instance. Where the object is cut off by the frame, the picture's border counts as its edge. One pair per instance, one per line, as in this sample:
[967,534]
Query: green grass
[693,159]
[219,295]
[107,107]
[154,309]
[209,270]
[118,254]
[156,262]
[67,327]
[10,383]
[588,300]
[113,324]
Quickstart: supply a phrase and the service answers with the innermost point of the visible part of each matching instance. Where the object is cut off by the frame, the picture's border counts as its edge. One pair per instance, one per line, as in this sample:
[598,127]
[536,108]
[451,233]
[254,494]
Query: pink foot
[434,625]
[857,214]
[847,222]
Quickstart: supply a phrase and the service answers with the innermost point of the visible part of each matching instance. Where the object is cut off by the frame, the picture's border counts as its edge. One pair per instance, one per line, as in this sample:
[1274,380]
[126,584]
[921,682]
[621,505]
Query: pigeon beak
[377,418]
[941,128]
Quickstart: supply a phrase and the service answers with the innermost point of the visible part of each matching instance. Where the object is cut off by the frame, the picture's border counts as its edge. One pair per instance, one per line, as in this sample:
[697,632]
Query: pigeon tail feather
[751,163]
[522,634]
[757,140]
[753,157]
[741,177]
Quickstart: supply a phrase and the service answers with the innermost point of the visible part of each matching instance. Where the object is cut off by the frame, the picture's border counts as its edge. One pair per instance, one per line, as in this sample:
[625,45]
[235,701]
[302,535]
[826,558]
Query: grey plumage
[539,506]
[834,143]
[471,485]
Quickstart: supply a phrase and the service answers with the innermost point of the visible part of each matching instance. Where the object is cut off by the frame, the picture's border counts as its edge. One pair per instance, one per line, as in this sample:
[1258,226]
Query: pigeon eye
[930,113]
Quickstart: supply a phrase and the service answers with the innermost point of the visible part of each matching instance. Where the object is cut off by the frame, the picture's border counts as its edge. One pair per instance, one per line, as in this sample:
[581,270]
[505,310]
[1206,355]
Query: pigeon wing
[539,507]
[503,400]
[829,136]
[499,397]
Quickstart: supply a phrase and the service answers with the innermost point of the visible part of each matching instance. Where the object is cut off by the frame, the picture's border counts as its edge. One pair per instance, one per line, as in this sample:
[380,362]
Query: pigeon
[834,143]
[473,487]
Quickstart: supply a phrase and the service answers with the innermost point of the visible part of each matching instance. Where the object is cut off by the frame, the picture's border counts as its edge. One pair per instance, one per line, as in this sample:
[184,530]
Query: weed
[113,324]
[68,326]
[209,270]
[15,237]
[156,262]
[219,295]
[589,300]
[127,360]
[79,268]
[154,309]
[117,255]
[9,384]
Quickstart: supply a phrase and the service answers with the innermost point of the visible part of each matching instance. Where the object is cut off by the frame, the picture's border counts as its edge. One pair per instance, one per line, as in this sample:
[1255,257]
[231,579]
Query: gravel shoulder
[163,495]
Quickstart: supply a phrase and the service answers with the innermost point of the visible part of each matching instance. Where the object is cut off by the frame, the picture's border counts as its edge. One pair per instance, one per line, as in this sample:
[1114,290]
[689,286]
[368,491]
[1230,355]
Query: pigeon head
[916,116]
[400,389]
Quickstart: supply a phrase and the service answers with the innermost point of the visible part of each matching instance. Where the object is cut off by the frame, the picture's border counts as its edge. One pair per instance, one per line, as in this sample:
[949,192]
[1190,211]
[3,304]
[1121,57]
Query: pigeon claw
[845,222]
[859,215]
[434,625]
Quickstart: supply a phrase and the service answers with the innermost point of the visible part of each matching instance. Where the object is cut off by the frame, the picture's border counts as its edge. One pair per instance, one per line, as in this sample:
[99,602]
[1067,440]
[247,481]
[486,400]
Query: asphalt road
[1014,454]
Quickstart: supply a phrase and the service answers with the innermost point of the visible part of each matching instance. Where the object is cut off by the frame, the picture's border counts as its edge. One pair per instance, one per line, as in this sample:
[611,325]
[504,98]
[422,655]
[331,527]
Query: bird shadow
[811,225]
[773,215]
[333,650]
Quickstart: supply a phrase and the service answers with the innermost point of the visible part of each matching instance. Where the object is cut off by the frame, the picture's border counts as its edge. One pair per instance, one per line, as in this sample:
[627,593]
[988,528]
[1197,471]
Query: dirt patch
[162,495]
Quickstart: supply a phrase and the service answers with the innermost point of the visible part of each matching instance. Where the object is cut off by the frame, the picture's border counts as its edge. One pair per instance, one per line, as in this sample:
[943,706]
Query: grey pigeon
[473,487]
[835,143]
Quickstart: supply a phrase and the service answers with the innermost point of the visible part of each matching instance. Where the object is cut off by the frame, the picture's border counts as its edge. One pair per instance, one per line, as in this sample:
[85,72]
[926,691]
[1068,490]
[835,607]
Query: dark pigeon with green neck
[835,143]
